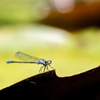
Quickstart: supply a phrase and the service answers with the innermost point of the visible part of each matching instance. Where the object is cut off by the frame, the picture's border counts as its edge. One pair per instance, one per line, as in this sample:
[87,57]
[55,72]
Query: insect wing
[27,58]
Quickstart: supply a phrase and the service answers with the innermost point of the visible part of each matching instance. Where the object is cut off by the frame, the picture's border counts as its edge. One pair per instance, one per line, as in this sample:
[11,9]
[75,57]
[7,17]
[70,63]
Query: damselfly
[30,59]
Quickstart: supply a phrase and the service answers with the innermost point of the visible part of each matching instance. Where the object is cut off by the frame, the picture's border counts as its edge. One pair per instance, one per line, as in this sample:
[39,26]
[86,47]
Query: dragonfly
[25,58]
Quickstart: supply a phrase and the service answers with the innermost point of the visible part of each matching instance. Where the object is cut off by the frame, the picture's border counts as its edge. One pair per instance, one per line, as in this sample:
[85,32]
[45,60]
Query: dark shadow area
[82,16]
[83,86]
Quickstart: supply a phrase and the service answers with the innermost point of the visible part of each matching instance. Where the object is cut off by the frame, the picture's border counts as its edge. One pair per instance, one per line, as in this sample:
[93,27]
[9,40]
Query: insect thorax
[42,61]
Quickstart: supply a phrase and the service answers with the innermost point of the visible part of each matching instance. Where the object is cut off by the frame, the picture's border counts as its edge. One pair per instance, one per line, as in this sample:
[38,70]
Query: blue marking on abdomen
[9,61]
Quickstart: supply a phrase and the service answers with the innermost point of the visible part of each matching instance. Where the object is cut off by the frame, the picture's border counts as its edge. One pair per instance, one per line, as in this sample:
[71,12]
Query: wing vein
[25,57]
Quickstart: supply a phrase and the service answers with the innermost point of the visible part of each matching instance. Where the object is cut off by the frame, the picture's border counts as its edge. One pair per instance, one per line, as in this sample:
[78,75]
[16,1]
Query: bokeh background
[64,31]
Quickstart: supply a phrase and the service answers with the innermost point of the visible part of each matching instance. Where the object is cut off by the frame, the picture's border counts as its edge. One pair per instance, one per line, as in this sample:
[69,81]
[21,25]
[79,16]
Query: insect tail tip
[9,61]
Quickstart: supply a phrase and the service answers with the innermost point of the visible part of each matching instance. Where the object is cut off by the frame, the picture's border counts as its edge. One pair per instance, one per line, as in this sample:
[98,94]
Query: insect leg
[40,69]
[44,69]
[51,67]
[47,67]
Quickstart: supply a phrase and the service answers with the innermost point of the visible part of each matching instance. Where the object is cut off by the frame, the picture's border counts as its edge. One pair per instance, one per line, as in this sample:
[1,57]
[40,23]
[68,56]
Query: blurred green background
[64,31]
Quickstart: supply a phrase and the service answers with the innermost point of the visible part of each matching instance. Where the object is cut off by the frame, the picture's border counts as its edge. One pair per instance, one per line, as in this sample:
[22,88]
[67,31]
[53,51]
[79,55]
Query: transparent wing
[27,58]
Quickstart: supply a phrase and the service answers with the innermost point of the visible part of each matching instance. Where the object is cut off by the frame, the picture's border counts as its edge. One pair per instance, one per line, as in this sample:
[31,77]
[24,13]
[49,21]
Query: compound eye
[49,61]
